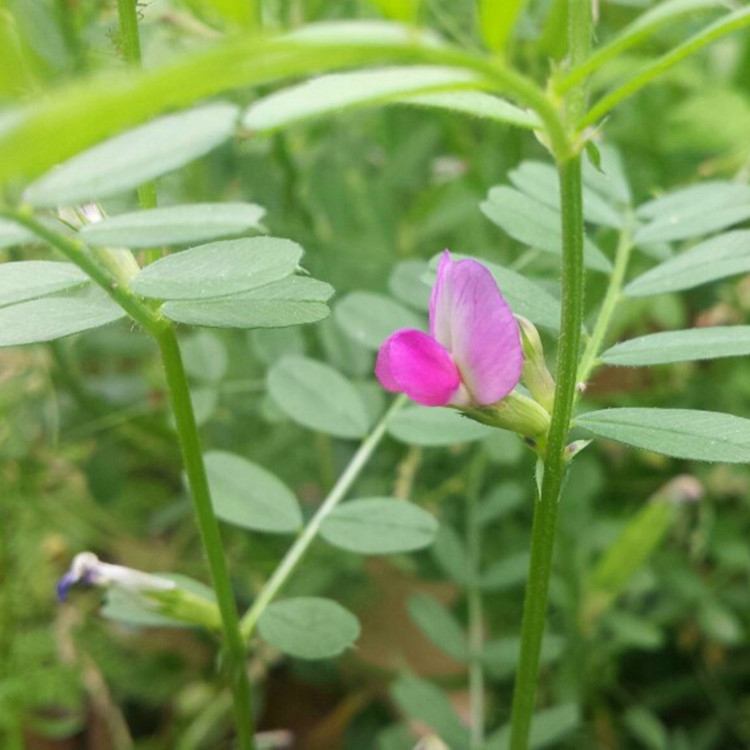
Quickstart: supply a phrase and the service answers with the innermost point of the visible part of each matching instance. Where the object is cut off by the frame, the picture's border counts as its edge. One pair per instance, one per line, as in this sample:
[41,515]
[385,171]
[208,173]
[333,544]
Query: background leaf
[13,234]
[174,225]
[247,495]
[693,212]
[425,702]
[725,255]
[439,625]
[337,91]
[379,526]
[533,224]
[680,346]
[369,318]
[128,160]
[434,427]
[308,627]
[682,433]
[318,397]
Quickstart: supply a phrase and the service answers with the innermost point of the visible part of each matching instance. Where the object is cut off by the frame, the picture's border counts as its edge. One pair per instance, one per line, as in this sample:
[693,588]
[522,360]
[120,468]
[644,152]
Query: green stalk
[130,40]
[731,22]
[546,505]
[474,600]
[292,558]
[192,455]
[611,300]
[75,251]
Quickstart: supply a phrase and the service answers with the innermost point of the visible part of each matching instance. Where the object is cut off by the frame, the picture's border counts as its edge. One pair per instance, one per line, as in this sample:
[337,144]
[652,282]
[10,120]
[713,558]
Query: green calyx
[517,413]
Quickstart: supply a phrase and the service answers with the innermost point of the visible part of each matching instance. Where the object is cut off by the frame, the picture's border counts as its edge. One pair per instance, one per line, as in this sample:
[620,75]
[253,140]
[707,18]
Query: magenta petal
[414,363]
[440,302]
[473,320]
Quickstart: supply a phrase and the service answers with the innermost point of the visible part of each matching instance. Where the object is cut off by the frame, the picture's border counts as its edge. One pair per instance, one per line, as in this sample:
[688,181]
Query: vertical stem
[131,51]
[546,506]
[129,37]
[474,596]
[209,530]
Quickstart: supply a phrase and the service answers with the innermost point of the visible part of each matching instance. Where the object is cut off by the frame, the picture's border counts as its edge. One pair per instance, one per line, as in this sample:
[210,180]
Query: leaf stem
[192,455]
[474,598]
[546,506]
[75,251]
[611,300]
[292,558]
[731,22]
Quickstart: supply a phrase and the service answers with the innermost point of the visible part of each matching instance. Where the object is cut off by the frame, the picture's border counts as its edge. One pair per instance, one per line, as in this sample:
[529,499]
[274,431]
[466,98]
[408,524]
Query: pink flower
[472,355]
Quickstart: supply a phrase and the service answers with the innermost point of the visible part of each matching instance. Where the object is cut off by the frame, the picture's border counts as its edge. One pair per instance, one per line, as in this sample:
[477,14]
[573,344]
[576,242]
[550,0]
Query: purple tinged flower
[89,570]
[472,355]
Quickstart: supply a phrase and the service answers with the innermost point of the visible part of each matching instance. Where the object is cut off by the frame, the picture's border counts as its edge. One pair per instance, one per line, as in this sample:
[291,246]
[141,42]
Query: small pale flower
[472,356]
[89,570]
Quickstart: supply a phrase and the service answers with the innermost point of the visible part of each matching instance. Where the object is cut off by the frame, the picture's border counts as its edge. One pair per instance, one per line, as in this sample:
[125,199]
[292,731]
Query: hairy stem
[546,505]
[192,455]
[130,40]
[292,558]
[474,597]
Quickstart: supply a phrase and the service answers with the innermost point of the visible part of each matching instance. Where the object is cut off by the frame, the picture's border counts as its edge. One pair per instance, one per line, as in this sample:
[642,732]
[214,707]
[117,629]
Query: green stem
[130,40]
[306,538]
[546,506]
[474,600]
[640,30]
[75,251]
[192,455]
[611,299]
[731,22]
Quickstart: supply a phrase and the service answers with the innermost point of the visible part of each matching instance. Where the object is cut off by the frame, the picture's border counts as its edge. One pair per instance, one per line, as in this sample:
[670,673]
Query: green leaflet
[369,318]
[219,269]
[174,225]
[247,495]
[318,397]
[379,526]
[722,256]
[680,346]
[308,627]
[534,224]
[681,433]
[130,159]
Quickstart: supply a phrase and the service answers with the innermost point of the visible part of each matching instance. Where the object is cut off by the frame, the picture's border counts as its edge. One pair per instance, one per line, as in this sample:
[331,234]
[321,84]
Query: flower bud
[517,413]
[153,592]
[535,376]
[119,261]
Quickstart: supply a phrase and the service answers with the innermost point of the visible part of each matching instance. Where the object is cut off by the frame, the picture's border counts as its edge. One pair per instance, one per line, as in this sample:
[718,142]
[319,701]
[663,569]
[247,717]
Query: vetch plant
[63,154]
